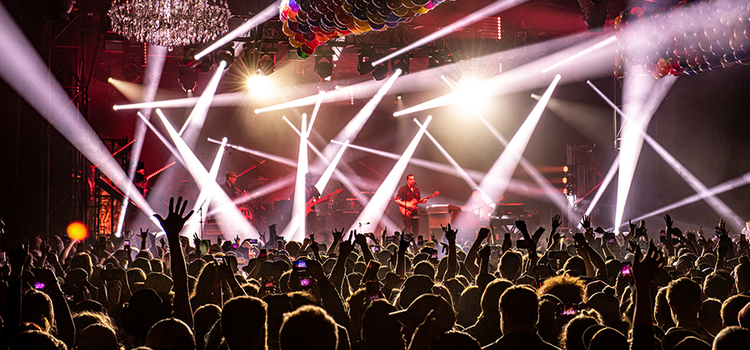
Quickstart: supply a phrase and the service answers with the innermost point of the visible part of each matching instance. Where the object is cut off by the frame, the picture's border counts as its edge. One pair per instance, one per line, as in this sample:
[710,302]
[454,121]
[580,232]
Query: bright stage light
[270,11]
[260,86]
[77,231]
[472,95]
[487,11]
[25,72]
[375,209]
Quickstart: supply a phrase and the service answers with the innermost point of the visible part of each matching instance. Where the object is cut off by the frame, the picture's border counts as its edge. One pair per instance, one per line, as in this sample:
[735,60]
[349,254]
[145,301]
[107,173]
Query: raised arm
[66,330]
[644,270]
[450,235]
[471,256]
[361,241]
[172,226]
[345,248]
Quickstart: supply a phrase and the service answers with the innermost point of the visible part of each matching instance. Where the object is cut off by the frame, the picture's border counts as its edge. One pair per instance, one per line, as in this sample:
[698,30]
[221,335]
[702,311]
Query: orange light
[565,169]
[565,191]
[565,180]
[77,231]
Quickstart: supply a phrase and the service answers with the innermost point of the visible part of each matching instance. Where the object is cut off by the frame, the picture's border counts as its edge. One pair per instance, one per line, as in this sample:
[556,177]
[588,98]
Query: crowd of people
[587,290]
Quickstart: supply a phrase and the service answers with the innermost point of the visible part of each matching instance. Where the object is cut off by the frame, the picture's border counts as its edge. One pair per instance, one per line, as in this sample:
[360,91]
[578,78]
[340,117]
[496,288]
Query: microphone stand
[200,215]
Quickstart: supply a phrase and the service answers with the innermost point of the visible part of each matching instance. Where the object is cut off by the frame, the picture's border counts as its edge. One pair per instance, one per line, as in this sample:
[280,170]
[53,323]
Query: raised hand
[144,234]
[361,240]
[641,230]
[521,226]
[346,246]
[336,234]
[556,222]
[175,219]
[646,267]
[483,233]
[403,244]
[450,234]
[196,241]
[668,221]
[586,222]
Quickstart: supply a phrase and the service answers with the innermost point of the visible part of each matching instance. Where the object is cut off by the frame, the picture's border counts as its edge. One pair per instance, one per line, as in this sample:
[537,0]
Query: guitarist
[311,192]
[405,198]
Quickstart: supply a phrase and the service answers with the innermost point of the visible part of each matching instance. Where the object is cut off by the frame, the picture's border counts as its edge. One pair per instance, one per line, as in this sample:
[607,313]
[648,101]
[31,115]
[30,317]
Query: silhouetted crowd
[582,290]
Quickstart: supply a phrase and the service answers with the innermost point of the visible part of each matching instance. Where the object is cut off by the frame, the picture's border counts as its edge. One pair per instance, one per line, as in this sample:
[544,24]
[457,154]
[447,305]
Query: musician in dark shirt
[228,185]
[407,198]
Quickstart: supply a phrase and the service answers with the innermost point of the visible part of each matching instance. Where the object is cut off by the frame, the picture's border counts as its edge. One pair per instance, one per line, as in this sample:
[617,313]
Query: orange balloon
[77,231]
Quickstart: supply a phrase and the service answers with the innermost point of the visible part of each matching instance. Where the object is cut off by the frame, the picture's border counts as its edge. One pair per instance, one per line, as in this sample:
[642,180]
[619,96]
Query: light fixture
[267,62]
[438,57]
[323,66]
[226,54]
[170,23]
[594,13]
[202,65]
[380,72]
[188,78]
[402,62]
[363,61]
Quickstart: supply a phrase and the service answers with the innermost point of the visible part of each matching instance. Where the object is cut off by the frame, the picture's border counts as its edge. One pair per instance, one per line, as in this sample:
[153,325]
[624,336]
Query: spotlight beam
[206,192]
[230,220]
[269,12]
[461,172]
[605,183]
[154,69]
[598,46]
[221,100]
[295,230]
[549,191]
[275,158]
[489,10]
[714,202]
[435,166]
[713,191]
[315,112]
[375,209]
[501,172]
[197,116]
[163,139]
[24,71]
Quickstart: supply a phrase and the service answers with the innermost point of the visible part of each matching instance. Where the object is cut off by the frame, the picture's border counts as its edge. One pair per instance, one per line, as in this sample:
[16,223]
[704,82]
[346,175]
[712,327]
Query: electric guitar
[312,202]
[410,207]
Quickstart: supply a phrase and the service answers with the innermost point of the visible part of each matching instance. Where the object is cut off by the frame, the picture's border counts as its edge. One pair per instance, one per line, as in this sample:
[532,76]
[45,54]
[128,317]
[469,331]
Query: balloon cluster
[683,39]
[311,23]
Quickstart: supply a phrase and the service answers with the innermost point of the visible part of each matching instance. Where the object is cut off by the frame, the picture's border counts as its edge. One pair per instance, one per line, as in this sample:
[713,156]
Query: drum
[247,213]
